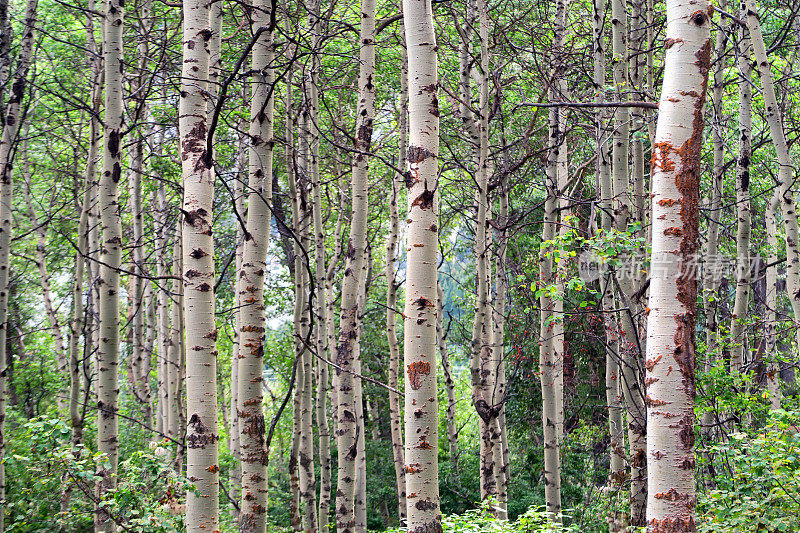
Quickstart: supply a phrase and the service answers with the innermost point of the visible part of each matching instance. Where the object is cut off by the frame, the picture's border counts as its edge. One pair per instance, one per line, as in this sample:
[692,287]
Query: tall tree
[419,334]
[202,505]
[11,127]
[551,351]
[743,217]
[355,269]
[670,359]
[110,259]
[253,452]
[395,420]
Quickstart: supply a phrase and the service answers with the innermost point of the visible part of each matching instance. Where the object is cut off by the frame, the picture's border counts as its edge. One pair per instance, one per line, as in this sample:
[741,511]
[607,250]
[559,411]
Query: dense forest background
[547,115]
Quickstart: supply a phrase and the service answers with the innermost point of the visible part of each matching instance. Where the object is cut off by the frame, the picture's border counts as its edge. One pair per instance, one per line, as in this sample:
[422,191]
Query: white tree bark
[551,351]
[252,321]
[110,256]
[395,421]
[670,359]
[421,406]
[202,506]
[743,217]
[785,168]
[347,431]
[13,120]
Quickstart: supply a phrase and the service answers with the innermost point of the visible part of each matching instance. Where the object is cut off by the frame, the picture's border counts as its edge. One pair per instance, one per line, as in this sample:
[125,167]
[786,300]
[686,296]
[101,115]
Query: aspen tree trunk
[234,443]
[348,428]
[419,335]
[483,367]
[452,432]
[76,411]
[395,423]
[161,222]
[710,293]
[551,349]
[299,299]
[629,340]
[773,366]
[241,172]
[140,361]
[110,256]
[617,473]
[175,355]
[785,170]
[676,168]
[13,120]
[140,358]
[87,246]
[162,310]
[77,324]
[202,506]
[743,218]
[361,415]
[498,356]
[305,377]
[320,271]
[481,371]
[250,365]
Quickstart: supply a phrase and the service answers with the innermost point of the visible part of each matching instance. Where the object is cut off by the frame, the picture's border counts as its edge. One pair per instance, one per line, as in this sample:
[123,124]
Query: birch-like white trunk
[347,431]
[250,286]
[421,406]
[13,120]
[743,218]
[670,359]
[395,420]
[202,505]
[785,168]
[110,257]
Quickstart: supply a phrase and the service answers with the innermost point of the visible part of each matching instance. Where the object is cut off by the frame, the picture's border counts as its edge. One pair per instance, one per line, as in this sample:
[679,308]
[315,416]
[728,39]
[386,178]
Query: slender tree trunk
[347,431]
[498,355]
[743,218]
[711,283]
[449,383]
[421,406]
[551,342]
[202,505]
[299,299]
[771,300]
[175,354]
[670,360]
[77,324]
[617,473]
[785,169]
[252,321]
[110,256]
[320,271]
[395,422]
[305,379]
[233,418]
[623,211]
[13,120]
[483,372]
[361,411]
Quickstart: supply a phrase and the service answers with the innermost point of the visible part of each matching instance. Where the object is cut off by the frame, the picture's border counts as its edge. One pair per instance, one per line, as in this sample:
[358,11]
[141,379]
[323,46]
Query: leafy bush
[758,482]
[482,520]
[42,460]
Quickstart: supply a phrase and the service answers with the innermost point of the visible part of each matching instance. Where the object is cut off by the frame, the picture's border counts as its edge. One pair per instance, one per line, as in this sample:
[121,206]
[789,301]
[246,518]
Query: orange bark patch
[416,371]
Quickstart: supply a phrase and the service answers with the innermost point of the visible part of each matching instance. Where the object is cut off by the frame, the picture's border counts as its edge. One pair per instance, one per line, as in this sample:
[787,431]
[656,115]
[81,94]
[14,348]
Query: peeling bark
[421,408]
[670,359]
